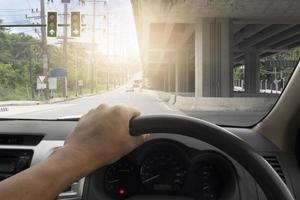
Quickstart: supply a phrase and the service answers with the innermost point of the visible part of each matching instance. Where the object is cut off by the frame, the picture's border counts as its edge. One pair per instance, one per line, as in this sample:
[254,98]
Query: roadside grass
[20,93]
[24,94]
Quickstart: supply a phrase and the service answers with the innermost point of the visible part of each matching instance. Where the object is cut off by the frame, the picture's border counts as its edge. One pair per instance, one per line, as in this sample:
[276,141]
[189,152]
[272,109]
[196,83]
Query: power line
[29,4]
[93,68]
[12,15]
[13,10]
[15,22]
[22,25]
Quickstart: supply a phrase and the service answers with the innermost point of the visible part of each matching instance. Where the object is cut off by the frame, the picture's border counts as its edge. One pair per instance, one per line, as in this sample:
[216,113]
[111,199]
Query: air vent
[273,161]
[17,139]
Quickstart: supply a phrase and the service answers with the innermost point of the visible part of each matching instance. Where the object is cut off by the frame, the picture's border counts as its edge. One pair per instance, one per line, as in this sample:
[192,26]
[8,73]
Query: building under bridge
[192,46]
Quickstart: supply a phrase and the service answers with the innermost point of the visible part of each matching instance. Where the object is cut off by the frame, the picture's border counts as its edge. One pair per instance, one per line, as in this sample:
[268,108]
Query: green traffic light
[75,24]
[52,24]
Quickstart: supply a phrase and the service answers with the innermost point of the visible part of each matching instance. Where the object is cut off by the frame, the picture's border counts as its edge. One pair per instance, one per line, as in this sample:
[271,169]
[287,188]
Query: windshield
[226,62]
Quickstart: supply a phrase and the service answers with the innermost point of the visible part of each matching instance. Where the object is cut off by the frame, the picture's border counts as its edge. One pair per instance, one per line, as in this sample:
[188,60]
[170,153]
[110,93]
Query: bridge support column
[165,75]
[213,58]
[252,72]
[187,73]
[181,71]
[169,78]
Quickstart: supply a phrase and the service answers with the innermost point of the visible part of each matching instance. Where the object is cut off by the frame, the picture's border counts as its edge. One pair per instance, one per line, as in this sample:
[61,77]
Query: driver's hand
[102,135]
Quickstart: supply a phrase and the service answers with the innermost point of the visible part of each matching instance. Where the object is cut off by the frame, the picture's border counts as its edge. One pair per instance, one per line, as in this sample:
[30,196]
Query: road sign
[58,72]
[75,24]
[80,83]
[42,78]
[65,1]
[40,85]
[52,83]
[52,24]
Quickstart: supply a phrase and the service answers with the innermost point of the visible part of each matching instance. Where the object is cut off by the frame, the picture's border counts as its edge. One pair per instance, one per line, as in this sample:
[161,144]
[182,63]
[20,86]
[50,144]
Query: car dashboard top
[166,167]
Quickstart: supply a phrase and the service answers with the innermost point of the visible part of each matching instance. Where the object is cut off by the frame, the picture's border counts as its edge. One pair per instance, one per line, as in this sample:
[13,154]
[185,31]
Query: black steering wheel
[272,185]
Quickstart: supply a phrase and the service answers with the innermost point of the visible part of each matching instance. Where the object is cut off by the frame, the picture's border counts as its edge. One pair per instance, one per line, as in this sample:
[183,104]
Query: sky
[120,40]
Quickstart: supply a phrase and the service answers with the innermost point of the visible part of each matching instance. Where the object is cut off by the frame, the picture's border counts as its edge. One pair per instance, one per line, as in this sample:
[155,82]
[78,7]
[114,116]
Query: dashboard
[166,167]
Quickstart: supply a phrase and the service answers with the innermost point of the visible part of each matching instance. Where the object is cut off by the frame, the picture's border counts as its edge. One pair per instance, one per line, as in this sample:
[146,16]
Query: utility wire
[29,4]
[12,15]
[16,22]
[13,10]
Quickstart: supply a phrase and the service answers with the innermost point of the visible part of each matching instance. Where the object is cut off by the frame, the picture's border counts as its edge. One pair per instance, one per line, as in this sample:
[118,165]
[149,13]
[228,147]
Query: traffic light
[75,24]
[52,24]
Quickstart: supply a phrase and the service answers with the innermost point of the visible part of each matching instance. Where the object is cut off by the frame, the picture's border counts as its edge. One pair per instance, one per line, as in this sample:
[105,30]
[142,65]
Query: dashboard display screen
[160,187]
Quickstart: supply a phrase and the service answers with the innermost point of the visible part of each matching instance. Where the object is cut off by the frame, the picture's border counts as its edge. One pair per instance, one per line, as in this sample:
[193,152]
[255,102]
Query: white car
[129,88]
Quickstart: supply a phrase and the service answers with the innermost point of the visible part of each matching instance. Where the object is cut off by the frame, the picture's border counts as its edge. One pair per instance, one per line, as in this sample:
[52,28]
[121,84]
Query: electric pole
[65,40]
[44,47]
[94,72]
[76,72]
[107,49]
[32,87]
[93,47]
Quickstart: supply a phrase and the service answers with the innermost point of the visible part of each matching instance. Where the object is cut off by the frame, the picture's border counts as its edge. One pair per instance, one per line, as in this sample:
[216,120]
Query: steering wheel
[272,185]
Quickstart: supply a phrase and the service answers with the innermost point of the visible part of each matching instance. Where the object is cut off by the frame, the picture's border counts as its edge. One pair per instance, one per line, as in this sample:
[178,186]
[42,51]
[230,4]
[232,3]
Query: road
[147,103]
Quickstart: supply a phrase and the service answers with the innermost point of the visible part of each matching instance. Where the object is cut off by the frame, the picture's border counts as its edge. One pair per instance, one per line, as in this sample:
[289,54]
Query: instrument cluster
[170,168]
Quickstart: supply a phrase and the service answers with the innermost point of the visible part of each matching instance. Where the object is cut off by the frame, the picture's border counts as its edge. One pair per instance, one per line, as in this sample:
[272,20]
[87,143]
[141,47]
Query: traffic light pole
[107,49]
[65,40]
[93,48]
[44,47]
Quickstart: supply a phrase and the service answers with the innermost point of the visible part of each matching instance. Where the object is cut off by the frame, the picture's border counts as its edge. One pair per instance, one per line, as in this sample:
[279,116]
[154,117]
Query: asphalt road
[147,103]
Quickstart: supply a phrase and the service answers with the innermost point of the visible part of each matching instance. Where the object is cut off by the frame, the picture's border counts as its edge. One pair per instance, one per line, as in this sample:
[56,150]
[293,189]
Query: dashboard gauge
[211,177]
[210,183]
[121,179]
[163,172]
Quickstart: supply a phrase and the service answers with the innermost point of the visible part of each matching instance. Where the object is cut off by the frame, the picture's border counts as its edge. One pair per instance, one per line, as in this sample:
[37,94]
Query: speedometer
[163,172]
[121,179]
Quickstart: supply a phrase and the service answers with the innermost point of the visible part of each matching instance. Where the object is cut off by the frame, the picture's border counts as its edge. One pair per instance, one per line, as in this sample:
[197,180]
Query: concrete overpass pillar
[181,71]
[171,77]
[165,75]
[187,73]
[213,58]
[177,66]
[169,73]
[252,72]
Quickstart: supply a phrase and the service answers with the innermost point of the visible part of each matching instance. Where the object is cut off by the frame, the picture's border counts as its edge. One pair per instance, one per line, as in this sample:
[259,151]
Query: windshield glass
[222,61]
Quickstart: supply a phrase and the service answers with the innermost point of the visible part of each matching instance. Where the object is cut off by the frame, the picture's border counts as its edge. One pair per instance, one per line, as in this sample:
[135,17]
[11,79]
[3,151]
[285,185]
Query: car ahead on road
[129,88]
[136,85]
[222,103]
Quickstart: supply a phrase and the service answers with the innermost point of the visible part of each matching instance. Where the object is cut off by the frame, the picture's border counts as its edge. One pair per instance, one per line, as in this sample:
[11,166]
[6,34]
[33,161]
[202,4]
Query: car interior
[175,163]
[185,157]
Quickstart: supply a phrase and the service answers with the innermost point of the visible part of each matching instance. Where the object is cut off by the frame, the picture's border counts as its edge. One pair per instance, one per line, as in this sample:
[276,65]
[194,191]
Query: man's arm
[100,138]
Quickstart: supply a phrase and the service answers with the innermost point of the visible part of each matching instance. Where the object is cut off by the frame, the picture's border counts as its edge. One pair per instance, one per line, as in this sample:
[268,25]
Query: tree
[19,55]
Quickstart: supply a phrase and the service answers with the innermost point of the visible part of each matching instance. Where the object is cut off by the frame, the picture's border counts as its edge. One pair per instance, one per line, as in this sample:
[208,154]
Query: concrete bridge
[192,46]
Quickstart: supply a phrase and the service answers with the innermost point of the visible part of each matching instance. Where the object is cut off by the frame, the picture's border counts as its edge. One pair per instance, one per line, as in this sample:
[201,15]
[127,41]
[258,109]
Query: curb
[45,102]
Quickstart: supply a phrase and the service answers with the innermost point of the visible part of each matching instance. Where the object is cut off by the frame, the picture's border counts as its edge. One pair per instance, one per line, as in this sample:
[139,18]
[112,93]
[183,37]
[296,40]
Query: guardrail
[3,109]
[266,86]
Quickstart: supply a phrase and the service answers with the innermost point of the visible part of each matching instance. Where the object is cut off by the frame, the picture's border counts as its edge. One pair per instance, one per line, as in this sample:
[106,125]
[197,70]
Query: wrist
[76,159]
[60,170]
